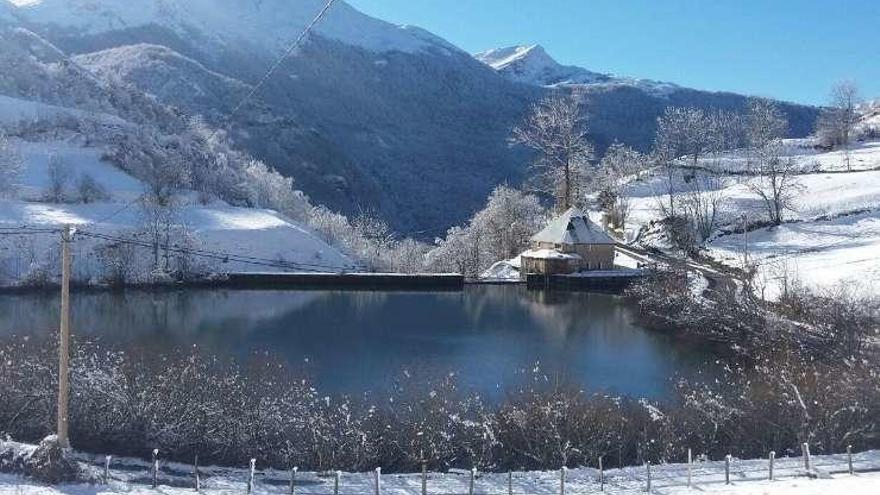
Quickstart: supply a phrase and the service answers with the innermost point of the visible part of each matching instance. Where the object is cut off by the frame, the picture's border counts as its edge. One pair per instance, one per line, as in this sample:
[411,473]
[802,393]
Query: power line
[117,212]
[290,49]
[220,256]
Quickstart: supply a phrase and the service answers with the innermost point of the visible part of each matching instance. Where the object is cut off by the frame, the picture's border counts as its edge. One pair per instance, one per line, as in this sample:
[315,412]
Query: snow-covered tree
[684,132]
[269,189]
[557,131]
[89,190]
[499,231]
[837,123]
[618,167]
[774,177]
[60,176]
[11,166]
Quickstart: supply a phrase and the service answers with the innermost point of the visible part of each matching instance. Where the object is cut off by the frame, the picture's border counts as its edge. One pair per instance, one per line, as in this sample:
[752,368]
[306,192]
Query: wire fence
[132,474]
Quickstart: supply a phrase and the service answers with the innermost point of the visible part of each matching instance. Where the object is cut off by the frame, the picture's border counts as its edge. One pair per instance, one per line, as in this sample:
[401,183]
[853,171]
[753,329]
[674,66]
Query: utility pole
[64,341]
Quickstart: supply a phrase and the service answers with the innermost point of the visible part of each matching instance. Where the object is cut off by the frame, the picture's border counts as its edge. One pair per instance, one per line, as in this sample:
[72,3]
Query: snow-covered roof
[572,227]
[549,254]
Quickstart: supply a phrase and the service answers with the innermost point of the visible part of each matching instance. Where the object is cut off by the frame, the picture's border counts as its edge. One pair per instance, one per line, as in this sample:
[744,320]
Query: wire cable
[290,49]
[221,256]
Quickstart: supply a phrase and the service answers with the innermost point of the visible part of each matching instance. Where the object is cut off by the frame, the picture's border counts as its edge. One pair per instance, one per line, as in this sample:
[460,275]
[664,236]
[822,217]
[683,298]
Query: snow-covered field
[746,477]
[218,227]
[831,237]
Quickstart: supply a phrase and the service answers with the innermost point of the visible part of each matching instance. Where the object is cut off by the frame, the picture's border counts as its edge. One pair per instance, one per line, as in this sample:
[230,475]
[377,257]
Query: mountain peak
[531,64]
[271,23]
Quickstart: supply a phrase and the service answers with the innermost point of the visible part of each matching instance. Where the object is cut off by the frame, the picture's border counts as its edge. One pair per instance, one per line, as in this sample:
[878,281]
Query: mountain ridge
[360,127]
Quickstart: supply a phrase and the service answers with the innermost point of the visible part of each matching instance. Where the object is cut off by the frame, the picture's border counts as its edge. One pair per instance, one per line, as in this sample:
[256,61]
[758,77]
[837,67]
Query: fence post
[471,484]
[727,469]
[293,480]
[849,458]
[196,472]
[648,469]
[336,483]
[805,449]
[601,476]
[155,468]
[509,483]
[107,469]
[772,458]
[424,478]
[690,467]
[378,481]
[251,472]
[562,480]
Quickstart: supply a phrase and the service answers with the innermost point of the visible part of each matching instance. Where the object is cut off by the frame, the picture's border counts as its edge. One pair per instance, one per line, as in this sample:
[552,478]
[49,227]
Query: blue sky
[787,49]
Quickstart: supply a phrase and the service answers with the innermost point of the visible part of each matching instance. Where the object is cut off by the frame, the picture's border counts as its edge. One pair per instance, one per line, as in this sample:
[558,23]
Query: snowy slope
[216,227]
[831,237]
[531,64]
[271,23]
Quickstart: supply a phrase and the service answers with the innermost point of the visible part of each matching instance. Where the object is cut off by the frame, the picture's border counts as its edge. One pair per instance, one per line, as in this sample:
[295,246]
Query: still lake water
[352,342]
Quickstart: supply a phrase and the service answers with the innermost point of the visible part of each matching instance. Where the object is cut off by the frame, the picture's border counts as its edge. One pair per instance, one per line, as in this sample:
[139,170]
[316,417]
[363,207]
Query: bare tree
[775,177]
[11,165]
[617,168]
[161,223]
[557,131]
[838,121]
[60,176]
[684,132]
[681,133]
[90,190]
[377,238]
[703,204]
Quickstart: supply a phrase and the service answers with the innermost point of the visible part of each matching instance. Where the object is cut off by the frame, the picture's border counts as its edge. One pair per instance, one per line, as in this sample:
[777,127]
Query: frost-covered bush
[499,231]
[89,190]
[190,402]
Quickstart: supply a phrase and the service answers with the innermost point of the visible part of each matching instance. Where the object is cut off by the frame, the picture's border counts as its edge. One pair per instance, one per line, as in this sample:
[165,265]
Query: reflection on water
[352,342]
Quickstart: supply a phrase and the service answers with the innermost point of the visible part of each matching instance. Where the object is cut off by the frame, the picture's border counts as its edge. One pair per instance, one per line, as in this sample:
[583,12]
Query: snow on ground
[272,23]
[862,156]
[816,254]
[216,227]
[133,477]
[14,110]
[832,235]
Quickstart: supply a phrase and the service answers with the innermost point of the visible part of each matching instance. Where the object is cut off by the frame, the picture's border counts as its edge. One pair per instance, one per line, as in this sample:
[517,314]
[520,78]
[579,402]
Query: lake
[492,337]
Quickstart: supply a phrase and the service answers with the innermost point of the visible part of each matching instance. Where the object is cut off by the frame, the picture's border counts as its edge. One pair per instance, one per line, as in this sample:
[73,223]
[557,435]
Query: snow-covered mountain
[270,23]
[531,64]
[365,116]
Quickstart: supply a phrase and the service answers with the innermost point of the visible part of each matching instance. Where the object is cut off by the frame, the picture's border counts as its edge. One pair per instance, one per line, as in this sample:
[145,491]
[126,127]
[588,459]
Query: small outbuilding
[570,244]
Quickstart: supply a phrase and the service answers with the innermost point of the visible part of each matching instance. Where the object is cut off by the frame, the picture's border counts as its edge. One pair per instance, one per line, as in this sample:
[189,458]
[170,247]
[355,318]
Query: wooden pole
[509,483]
[336,483]
[690,467]
[562,480]
[772,459]
[805,448]
[471,484]
[293,480]
[424,478]
[107,469]
[849,459]
[648,469]
[251,472]
[64,341]
[378,481]
[727,469]
[601,476]
[155,468]
[198,482]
